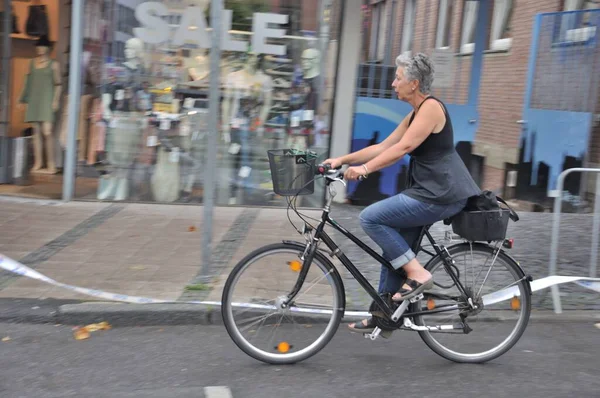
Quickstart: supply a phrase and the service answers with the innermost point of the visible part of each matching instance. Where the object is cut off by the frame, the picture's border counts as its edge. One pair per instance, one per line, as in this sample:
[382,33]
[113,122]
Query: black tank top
[437,174]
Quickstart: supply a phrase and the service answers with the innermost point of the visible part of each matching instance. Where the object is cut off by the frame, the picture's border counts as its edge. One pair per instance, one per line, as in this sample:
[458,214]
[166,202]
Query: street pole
[216,12]
[74,96]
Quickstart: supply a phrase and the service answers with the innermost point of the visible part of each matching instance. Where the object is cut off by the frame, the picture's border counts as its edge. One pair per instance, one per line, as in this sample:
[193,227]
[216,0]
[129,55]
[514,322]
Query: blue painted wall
[374,120]
[551,142]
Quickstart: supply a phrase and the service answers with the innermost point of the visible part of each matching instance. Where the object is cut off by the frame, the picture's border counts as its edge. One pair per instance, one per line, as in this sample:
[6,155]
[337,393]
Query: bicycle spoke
[287,337]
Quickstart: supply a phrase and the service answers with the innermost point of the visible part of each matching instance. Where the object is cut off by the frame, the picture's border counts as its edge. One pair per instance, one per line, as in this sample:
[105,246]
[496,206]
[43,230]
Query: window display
[40,96]
[155,100]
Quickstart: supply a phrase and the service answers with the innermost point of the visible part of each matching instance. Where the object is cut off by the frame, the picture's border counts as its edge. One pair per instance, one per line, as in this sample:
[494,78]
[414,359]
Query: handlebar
[325,169]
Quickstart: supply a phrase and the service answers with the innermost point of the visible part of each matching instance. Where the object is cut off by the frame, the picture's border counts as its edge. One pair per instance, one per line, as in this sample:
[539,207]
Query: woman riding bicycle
[438,187]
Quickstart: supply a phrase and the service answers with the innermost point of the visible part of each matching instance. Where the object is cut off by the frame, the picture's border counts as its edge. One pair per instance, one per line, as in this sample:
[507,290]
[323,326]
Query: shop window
[148,128]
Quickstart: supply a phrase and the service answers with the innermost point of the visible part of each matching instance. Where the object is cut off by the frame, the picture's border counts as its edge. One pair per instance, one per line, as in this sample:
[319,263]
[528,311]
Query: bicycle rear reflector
[295,266]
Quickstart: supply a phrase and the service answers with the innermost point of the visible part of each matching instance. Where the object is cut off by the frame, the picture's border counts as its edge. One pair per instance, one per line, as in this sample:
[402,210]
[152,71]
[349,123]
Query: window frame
[443,34]
[501,19]
[408,27]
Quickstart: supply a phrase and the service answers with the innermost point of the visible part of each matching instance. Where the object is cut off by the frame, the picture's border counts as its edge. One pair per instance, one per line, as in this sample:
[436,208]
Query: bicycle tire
[505,346]
[322,262]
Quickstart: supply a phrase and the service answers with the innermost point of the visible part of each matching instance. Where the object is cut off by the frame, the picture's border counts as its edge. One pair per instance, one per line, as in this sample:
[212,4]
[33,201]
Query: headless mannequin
[305,111]
[120,108]
[41,106]
[248,83]
[199,68]
[246,105]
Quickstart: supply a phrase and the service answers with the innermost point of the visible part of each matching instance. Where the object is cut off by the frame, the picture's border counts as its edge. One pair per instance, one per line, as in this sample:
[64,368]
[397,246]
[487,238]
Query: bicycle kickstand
[395,316]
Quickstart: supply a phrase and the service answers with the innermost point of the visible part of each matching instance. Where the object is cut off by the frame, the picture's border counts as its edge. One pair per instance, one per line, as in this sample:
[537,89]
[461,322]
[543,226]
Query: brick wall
[493,179]
[503,79]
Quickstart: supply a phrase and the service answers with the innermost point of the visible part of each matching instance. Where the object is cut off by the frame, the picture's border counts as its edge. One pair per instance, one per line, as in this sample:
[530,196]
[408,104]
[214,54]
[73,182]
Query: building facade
[322,83]
[144,120]
[510,151]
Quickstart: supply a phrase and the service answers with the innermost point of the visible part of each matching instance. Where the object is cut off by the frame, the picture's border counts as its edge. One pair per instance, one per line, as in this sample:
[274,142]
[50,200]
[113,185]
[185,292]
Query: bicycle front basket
[292,171]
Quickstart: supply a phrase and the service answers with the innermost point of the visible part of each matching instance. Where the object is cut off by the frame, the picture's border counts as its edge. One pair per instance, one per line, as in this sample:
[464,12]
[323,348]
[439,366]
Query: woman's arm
[430,115]
[372,151]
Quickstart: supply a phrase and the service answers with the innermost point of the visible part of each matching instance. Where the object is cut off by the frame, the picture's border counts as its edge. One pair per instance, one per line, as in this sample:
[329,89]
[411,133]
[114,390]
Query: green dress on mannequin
[39,94]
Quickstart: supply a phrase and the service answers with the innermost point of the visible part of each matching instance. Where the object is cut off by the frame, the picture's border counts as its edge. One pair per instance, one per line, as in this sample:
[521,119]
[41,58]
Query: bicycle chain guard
[379,318]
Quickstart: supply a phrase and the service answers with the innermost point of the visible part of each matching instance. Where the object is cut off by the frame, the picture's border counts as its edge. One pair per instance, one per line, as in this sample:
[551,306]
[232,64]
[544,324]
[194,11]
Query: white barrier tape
[540,284]
[488,299]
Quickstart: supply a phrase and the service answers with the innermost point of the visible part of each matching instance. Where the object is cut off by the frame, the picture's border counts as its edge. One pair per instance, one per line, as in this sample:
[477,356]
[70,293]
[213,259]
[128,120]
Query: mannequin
[304,108]
[246,104]
[198,68]
[120,106]
[41,93]
[311,70]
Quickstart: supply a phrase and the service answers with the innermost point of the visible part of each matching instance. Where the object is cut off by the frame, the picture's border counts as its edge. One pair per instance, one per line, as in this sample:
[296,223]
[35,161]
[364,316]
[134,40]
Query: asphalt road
[551,360]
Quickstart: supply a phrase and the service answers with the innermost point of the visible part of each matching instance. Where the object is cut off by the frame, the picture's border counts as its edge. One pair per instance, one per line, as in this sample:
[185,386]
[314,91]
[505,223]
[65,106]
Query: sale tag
[174,155]
[188,103]
[234,148]
[151,141]
[308,115]
[244,172]
[120,95]
[165,124]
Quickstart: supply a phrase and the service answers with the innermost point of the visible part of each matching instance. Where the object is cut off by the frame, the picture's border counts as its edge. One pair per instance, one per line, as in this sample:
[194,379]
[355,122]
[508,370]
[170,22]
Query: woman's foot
[416,282]
[364,326]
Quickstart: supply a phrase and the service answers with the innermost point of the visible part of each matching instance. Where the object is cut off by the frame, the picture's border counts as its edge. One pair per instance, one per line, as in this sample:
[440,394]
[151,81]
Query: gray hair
[418,68]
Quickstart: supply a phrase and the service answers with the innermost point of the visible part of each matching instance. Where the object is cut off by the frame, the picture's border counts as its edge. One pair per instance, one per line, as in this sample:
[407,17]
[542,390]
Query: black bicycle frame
[320,234]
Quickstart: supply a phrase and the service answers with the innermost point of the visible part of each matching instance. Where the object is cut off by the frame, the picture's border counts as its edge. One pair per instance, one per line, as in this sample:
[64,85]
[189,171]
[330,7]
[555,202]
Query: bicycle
[293,306]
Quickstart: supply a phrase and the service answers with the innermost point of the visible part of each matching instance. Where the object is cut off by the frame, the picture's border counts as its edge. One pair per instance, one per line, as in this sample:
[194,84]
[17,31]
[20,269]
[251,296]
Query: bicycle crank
[387,326]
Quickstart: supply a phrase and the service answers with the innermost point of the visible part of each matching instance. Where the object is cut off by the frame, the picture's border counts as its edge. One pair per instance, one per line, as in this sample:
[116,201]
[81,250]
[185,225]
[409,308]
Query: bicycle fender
[503,252]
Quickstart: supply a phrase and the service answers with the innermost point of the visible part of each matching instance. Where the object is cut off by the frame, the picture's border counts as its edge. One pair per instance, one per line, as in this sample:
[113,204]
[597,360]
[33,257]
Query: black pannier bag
[483,219]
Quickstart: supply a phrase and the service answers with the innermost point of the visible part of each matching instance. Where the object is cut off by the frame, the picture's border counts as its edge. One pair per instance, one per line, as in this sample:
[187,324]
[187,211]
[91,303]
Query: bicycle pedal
[418,297]
[374,334]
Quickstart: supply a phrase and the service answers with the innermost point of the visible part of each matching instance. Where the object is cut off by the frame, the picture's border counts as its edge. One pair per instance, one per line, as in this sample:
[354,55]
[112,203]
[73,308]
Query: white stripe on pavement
[217,392]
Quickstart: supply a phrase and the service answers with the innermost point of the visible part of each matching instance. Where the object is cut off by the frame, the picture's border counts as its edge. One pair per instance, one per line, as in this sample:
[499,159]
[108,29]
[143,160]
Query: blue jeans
[395,224]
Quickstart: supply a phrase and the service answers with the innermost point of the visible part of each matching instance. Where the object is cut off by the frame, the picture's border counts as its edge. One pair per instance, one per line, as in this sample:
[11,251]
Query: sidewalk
[156,250]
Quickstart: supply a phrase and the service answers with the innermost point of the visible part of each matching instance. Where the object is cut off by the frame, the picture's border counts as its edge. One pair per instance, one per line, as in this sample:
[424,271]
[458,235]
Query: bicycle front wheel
[257,321]
[496,325]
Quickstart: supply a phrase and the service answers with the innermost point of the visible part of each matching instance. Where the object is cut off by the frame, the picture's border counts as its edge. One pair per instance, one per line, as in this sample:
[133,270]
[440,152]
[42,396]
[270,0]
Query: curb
[201,314]
[139,314]
[73,312]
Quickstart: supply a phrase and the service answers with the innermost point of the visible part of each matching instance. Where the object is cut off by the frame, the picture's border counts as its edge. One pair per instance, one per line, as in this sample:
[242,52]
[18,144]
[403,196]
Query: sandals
[360,327]
[416,288]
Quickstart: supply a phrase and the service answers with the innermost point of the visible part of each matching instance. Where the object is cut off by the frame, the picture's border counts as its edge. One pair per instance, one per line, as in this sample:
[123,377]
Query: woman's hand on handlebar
[354,173]
[334,163]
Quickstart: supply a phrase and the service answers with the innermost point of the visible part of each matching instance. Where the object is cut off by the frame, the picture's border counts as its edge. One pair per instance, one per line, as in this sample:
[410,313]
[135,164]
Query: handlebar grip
[323,168]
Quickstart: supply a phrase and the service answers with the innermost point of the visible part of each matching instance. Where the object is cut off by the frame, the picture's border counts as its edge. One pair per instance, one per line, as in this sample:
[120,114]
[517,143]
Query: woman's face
[402,87]
[41,50]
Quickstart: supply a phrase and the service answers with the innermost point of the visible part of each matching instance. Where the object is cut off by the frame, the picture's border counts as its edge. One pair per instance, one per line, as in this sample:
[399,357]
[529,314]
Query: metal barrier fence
[556,227]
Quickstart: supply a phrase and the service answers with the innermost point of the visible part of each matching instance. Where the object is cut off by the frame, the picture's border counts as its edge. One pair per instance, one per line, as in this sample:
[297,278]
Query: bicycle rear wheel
[252,304]
[496,325]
